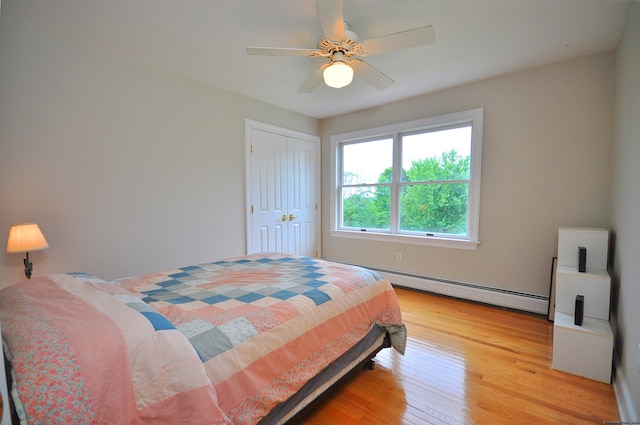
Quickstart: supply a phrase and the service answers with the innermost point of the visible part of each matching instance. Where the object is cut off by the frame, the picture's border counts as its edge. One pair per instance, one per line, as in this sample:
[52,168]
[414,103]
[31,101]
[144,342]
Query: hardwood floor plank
[467,363]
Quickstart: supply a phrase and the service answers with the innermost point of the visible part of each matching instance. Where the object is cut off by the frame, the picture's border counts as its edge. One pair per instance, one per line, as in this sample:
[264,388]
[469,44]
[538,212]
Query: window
[415,182]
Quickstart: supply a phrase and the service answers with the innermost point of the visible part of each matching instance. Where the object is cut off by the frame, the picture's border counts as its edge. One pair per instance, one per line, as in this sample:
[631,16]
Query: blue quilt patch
[159,322]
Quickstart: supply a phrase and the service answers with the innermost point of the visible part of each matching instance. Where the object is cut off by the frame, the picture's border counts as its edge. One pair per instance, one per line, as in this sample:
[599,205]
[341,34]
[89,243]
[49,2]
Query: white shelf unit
[585,350]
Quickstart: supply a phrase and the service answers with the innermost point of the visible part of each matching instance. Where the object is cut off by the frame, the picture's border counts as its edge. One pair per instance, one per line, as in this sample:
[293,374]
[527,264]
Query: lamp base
[28,266]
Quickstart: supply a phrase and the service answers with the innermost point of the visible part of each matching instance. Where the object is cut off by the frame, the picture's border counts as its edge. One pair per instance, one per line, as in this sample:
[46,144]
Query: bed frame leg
[370,364]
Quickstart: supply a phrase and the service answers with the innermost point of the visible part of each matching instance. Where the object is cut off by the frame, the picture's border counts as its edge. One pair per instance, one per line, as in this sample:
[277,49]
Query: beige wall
[545,164]
[625,309]
[127,169]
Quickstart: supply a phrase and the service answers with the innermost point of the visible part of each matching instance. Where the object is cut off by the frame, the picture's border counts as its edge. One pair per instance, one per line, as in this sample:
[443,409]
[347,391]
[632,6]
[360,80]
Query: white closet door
[302,157]
[283,181]
[269,193]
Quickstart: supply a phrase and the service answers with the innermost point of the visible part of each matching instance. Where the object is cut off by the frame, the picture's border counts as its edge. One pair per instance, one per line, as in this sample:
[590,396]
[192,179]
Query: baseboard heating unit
[516,300]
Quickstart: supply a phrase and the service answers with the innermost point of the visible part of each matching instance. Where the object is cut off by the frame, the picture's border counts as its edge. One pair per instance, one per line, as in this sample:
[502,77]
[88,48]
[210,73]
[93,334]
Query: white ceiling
[206,40]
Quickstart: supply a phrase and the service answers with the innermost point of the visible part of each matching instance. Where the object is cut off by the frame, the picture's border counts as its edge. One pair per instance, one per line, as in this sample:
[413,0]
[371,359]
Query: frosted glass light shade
[338,75]
[25,237]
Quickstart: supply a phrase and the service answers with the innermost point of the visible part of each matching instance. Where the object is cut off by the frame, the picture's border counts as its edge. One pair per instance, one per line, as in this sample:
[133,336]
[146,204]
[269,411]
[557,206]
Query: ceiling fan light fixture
[338,74]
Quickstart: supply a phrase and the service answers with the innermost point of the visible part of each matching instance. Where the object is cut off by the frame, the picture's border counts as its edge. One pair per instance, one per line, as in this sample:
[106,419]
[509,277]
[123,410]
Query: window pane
[437,155]
[366,207]
[434,208]
[367,162]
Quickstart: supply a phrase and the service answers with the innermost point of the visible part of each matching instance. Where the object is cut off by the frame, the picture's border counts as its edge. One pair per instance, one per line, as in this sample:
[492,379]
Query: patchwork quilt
[234,338]
[80,355]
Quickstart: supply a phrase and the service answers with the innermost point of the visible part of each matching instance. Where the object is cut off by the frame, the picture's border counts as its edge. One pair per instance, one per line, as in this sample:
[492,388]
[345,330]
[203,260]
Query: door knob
[284,217]
[291,217]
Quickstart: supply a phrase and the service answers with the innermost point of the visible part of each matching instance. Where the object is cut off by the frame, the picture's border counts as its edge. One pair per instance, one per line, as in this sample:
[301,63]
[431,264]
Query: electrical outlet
[398,257]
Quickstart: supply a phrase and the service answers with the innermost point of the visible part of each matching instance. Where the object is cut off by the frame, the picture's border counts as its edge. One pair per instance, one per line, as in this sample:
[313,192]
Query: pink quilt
[214,343]
[81,356]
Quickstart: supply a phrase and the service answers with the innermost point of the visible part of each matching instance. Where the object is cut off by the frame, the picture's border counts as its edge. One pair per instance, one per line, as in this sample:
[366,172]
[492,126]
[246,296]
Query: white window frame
[471,241]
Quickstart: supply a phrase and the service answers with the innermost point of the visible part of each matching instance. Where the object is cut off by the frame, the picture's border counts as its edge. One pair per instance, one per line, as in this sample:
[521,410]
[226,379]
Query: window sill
[407,239]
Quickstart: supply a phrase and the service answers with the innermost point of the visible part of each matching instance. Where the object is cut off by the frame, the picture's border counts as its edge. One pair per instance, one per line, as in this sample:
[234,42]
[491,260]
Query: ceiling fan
[343,49]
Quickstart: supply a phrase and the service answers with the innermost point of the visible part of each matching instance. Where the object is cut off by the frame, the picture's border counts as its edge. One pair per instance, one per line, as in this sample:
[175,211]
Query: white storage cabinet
[585,350]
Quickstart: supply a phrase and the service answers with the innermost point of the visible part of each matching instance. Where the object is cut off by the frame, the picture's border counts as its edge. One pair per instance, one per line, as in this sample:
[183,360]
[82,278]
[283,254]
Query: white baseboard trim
[523,301]
[628,414]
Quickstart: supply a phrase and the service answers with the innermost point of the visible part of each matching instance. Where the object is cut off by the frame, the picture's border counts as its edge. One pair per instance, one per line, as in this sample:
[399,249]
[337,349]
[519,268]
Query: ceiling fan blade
[331,18]
[314,80]
[371,75]
[400,40]
[280,51]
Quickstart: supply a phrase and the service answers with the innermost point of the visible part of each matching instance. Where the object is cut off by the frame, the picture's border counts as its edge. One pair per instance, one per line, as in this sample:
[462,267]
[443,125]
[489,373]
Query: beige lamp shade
[25,237]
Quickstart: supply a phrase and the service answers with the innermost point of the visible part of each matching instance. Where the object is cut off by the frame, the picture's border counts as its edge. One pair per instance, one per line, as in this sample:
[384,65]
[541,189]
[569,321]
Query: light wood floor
[468,363]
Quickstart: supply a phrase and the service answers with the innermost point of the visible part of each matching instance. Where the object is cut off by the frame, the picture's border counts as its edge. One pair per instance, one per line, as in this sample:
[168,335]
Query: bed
[248,340]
